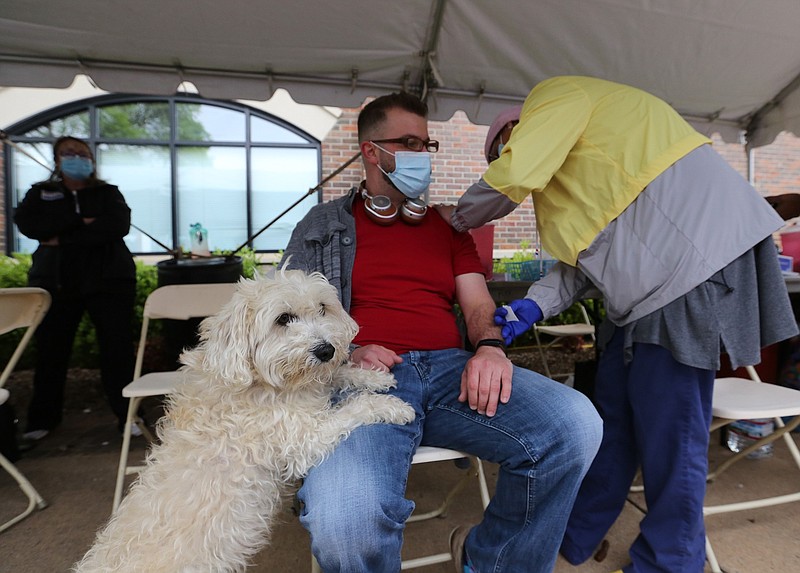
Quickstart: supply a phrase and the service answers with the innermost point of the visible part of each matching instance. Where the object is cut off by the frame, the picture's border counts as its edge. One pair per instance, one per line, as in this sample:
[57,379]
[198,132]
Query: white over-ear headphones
[382,211]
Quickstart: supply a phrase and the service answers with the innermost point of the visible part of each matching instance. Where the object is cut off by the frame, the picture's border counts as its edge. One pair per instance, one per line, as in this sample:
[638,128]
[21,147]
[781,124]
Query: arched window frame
[16,133]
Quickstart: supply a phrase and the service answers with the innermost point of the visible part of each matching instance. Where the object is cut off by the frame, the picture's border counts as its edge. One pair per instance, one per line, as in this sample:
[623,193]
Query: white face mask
[412,171]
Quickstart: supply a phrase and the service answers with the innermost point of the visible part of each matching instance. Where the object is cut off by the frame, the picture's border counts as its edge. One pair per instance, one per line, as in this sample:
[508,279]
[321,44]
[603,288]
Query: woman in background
[82,260]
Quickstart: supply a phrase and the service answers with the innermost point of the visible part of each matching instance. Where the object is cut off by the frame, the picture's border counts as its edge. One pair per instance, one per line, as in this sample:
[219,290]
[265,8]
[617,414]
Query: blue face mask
[78,168]
[412,171]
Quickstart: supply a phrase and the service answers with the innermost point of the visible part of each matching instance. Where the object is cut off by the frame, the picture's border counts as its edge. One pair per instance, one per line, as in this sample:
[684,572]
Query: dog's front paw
[393,410]
[370,408]
[350,376]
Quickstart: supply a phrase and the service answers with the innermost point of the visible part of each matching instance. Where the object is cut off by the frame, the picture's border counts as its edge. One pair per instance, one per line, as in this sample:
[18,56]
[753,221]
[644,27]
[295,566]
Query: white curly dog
[253,416]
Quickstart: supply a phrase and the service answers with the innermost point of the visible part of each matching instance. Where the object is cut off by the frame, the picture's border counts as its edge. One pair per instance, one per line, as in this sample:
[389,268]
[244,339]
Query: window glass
[26,172]
[264,131]
[142,173]
[141,120]
[76,125]
[212,184]
[198,122]
[279,177]
[179,161]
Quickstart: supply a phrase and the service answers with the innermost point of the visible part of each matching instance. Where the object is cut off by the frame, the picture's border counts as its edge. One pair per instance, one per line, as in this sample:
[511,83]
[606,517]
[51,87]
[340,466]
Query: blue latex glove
[526,312]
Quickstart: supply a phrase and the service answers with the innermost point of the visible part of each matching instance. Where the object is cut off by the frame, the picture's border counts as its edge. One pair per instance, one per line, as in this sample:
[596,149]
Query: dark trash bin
[180,334]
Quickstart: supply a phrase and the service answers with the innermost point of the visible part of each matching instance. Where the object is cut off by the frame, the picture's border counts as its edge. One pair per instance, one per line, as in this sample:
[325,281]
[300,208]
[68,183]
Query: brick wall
[777,166]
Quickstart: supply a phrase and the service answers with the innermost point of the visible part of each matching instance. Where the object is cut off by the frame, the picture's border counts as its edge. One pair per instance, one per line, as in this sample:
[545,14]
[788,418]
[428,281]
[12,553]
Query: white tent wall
[731,67]
[724,61]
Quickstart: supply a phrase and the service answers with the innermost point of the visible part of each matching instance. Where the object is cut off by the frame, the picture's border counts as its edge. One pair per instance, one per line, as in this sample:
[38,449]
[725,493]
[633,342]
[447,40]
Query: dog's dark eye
[322,310]
[285,319]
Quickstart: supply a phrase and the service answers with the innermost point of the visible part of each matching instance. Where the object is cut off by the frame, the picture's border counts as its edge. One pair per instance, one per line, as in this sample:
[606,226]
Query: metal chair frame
[582,329]
[20,308]
[745,399]
[177,302]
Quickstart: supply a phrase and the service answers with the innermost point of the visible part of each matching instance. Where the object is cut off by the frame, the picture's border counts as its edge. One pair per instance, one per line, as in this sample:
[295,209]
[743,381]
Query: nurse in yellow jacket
[633,201]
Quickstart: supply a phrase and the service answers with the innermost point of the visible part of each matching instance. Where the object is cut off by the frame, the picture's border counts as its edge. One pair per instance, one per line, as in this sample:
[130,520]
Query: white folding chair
[425,455]
[20,308]
[582,329]
[177,302]
[746,399]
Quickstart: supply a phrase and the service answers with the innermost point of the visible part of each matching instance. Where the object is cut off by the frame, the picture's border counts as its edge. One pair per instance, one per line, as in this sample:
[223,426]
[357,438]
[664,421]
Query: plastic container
[529,270]
[743,433]
[198,239]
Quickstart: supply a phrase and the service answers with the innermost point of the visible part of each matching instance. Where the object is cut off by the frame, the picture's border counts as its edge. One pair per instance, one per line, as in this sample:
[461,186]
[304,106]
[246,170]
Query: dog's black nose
[324,352]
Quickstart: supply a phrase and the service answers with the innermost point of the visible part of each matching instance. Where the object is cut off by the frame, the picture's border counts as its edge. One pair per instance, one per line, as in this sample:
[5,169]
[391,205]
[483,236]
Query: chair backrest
[181,302]
[20,308]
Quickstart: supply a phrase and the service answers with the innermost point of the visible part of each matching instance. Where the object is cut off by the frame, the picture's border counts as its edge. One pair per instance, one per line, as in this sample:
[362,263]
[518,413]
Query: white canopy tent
[727,65]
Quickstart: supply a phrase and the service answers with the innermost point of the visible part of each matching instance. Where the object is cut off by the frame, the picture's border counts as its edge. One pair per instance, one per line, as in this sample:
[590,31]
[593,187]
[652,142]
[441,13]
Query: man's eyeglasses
[413,143]
[73,154]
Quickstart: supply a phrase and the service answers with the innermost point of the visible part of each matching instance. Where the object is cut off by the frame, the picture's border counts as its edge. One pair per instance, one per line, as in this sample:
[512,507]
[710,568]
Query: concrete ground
[74,469]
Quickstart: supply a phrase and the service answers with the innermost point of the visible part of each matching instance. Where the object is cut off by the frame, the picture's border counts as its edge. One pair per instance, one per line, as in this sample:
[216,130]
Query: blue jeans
[656,413]
[544,440]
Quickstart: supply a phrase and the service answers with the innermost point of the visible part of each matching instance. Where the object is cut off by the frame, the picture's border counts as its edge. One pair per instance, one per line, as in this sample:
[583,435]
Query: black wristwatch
[496,342]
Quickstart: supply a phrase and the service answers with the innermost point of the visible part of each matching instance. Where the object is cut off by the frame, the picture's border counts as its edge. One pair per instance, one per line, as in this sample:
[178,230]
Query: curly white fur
[253,416]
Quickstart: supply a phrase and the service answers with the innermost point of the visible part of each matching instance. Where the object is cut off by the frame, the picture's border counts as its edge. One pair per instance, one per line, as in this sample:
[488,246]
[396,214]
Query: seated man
[399,278]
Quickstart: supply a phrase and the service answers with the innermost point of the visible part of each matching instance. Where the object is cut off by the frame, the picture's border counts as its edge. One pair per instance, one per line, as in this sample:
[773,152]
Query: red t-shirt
[403,283]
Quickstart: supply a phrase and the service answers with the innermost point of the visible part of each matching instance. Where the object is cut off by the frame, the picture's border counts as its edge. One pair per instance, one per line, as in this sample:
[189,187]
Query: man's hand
[517,318]
[375,357]
[486,379]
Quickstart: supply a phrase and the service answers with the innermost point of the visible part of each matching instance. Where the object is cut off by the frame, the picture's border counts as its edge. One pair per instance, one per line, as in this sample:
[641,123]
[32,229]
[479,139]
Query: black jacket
[89,258]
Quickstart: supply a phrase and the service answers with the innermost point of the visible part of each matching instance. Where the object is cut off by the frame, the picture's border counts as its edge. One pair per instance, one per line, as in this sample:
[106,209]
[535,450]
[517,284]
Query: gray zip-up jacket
[325,241]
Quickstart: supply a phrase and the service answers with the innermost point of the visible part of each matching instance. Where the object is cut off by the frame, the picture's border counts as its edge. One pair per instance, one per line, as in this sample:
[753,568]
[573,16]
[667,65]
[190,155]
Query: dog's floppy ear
[225,344]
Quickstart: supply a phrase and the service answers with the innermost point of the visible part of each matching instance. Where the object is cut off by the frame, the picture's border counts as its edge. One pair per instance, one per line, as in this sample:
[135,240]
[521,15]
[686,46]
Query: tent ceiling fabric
[719,61]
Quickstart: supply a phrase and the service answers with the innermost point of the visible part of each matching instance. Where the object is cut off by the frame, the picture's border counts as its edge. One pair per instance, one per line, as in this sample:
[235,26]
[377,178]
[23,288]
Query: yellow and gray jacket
[586,150]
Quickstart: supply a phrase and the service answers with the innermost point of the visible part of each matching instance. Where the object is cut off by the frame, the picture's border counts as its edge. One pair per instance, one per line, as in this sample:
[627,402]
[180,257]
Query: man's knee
[588,428]
[355,531]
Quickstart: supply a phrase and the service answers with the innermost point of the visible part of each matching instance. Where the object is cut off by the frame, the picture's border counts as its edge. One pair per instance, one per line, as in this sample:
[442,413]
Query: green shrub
[14,270]
[14,274]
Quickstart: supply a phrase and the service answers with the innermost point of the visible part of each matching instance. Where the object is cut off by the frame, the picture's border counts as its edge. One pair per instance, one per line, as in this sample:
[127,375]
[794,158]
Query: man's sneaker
[35,435]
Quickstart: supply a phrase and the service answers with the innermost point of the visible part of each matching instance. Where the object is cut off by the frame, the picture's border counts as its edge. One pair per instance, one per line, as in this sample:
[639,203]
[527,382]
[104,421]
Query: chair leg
[133,406]
[541,352]
[711,557]
[484,487]
[34,499]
